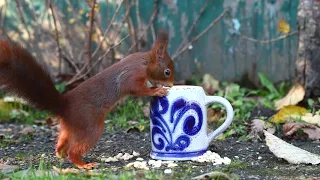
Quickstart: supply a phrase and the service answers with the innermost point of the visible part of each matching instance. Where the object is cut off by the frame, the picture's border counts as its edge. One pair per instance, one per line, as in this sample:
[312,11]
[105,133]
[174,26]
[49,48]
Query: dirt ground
[250,160]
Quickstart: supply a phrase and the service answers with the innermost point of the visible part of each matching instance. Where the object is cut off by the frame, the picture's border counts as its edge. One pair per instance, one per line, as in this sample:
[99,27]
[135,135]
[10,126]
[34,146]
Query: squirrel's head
[160,68]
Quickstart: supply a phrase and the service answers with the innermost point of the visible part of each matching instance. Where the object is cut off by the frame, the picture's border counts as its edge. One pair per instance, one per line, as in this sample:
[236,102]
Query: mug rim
[183,87]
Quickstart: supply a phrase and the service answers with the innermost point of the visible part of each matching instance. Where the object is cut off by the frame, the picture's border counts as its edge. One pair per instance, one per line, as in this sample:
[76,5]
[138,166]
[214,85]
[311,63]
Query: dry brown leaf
[257,128]
[290,153]
[309,118]
[210,84]
[213,116]
[76,171]
[294,96]
[257,125]
[312,131]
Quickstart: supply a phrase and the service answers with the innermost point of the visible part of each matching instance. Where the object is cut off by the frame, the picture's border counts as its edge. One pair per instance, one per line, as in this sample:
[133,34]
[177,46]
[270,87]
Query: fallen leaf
[294,96]
[283,26]
[133,129]
[290,153]
[27,130]
[257,125]
[290,112]
[4,168]
[257,128]
[309,118]
[213,115]
[210,84]
[312,131]
[76,171]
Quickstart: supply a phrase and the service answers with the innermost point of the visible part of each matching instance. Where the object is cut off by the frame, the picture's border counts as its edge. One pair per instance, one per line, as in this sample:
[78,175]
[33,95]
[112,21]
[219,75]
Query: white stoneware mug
[179,123]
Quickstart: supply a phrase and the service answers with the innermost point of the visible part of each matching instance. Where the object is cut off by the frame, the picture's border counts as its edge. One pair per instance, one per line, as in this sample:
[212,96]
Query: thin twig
[154,13]
[57,35]
[98,61]
[185,39]
[88,46]
[201,34]
[123,19]
[108,28]
[22,18]
[132,31]
[269,40]
[3,13]
[138,15]
[153,32]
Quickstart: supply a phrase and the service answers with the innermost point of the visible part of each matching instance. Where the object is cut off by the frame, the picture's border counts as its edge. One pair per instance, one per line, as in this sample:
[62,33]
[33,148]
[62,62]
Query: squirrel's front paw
[161,92]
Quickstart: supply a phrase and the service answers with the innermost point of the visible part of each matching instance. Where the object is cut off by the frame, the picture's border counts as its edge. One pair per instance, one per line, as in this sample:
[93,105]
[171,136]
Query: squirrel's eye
[167,72]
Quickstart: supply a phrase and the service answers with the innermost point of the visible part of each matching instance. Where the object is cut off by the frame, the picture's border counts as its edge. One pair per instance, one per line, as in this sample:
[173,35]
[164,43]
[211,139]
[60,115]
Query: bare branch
[98,61]
[3,14]
[138,15]
[185,39]
[269,40]
[88,43]
[154,13]
[57,35]
[108,28]
[201,34]
[22,18]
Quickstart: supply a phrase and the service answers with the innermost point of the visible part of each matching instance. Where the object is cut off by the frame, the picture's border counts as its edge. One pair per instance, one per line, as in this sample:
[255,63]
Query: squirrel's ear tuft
[161,43]
[162,36]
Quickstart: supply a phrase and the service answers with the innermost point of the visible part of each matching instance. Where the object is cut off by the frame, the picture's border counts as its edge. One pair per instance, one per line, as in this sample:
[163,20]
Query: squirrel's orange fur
[82,110]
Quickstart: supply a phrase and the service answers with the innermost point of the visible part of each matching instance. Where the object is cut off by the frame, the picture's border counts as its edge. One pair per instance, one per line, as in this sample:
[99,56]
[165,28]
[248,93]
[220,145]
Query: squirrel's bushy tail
[21,75]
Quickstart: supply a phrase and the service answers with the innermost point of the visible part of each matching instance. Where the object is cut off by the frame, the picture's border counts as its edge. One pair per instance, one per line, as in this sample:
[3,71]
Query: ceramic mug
[178,123]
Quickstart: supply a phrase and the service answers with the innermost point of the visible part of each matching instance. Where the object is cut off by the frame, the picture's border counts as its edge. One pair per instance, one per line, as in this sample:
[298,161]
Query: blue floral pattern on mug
[161,129]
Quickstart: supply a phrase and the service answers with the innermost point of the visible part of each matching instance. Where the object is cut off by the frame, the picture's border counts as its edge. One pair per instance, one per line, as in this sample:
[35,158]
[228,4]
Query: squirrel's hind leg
[82,143]
[63,143]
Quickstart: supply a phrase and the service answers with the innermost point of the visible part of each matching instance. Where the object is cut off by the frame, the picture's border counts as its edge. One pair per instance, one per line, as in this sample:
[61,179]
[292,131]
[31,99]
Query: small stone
[119,155]
[167,171]
[227,160]
[111,159]
[151,162]
[139,159]
[259,157]
[130,165]
[103,159]
[172,165]
[135,153]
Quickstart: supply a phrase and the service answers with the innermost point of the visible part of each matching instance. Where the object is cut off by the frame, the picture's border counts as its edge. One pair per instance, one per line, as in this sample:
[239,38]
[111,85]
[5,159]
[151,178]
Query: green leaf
[61,87]
[268,84]
[310,102]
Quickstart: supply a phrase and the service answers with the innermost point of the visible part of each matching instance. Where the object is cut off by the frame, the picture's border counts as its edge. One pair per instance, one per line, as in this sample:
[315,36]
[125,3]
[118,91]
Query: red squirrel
[82,110]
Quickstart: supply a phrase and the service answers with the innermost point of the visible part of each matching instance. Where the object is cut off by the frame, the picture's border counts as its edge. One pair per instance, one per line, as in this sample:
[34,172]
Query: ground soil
[251,160]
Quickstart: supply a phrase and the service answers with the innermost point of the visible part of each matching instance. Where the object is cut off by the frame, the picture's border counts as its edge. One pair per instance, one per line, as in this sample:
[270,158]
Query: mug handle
[230,114]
